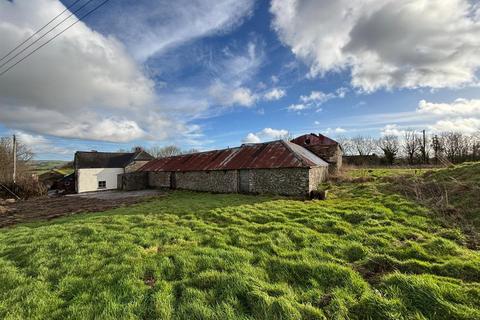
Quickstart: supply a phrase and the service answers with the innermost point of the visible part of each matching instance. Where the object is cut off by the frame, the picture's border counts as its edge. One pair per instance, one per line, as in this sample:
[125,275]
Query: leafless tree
[390,146]
[363,146]
[411,145]
[24,157]
[163,152]
[346,144]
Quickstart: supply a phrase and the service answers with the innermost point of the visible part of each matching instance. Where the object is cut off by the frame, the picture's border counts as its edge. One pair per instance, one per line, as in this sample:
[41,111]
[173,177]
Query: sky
[209,74]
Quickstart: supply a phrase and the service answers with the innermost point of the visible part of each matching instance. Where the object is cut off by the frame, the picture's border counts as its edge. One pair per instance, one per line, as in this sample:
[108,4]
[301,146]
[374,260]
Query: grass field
[365,253]
[42,166]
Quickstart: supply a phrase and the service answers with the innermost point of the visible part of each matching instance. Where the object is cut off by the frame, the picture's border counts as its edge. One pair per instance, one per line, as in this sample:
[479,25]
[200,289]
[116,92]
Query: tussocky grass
[362,254]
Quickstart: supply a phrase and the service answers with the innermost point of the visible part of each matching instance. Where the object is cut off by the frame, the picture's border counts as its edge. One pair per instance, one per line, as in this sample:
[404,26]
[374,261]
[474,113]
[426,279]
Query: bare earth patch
[46,208]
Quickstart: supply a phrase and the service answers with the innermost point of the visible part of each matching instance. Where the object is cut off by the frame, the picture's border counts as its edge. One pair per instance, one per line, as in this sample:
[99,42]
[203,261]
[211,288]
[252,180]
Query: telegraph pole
[14,159]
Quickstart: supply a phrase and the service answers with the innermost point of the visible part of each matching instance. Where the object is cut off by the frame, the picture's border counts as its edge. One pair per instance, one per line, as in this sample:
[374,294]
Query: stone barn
[324,147]
[276,167]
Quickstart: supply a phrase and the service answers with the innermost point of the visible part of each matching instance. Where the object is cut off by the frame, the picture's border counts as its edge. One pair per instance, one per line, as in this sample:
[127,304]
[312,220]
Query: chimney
[138,149]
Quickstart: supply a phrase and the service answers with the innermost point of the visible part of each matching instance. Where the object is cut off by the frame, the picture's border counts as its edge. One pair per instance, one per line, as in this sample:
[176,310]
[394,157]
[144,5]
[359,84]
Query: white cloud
[335,130]
[274,94]
[251,138]
[463,125]
[265,135]
[230,96]
[40,144]
[460,107]
[152,27]
[233,72]
[461,115]
[316,98]
[384,43]
[392,130]
[298,107]
[66,88]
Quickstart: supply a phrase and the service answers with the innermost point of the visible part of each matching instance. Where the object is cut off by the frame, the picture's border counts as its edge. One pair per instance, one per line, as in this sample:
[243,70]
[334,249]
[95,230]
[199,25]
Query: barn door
[244,181]
[173,180]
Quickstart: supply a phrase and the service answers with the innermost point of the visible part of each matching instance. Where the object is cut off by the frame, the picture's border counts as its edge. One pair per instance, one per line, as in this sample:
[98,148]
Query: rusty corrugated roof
[269,155]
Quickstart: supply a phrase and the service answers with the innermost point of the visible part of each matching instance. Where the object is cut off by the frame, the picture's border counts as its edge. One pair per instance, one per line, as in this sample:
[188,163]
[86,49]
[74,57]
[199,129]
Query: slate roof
[94,159]
[269,155]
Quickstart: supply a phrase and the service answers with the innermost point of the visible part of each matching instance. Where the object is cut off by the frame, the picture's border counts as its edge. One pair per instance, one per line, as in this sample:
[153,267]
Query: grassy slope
[42,166]
[362,254]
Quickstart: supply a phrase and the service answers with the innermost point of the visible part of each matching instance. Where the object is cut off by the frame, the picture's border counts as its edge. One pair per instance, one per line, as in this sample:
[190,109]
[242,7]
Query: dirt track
[47,208]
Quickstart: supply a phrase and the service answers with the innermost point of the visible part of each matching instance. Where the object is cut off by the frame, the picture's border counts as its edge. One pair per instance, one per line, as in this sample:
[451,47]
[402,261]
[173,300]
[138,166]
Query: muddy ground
[46,208]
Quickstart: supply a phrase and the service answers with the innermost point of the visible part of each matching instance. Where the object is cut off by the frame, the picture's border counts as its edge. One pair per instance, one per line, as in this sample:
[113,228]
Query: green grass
[42,166]
[362,254]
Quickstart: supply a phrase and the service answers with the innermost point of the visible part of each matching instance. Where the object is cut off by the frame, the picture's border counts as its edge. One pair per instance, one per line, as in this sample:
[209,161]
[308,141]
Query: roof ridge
[299,157]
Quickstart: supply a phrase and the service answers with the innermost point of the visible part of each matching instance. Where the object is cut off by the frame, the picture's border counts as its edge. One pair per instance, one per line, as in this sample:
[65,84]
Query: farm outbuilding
[97,171]
[276,167]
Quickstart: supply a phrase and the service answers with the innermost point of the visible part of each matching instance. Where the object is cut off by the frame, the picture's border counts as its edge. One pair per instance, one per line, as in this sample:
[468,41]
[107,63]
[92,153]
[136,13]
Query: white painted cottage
[97,171]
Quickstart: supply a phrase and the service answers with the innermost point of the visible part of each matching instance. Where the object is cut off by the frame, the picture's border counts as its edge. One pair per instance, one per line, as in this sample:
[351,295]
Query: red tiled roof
[275,154]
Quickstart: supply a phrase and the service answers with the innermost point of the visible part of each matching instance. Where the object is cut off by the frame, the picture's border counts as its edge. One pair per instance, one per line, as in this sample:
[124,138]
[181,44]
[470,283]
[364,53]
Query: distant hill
[42,166]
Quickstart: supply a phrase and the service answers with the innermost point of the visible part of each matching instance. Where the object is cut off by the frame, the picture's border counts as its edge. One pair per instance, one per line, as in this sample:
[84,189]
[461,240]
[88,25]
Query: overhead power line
[56,36]
[46,33]
[36,32]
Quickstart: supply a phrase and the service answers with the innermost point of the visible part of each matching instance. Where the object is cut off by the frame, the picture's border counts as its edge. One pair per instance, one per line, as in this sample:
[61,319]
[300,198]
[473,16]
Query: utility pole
[14,159]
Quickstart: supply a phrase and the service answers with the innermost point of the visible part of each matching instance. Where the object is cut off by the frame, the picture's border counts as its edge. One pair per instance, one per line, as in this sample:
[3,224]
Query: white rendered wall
[87,179]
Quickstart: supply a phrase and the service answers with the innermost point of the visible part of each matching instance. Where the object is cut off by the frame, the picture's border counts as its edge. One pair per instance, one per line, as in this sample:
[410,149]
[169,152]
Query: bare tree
[24,157]
[163,152]
[346,144]
[363,146]
[390,146]
[411,145]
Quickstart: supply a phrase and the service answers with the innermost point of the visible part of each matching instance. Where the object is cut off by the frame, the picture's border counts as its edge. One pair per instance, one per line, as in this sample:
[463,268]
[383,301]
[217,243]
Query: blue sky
[212,74]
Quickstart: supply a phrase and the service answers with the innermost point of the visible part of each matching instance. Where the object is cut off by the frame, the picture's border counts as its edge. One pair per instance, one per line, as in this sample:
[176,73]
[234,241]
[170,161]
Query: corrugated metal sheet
[275,154]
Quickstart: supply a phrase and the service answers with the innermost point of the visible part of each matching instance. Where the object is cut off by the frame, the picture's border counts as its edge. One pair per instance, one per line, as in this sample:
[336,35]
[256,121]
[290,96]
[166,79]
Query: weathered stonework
[212,181]
[316,176]
[132,181]
[282,181]
[159,179]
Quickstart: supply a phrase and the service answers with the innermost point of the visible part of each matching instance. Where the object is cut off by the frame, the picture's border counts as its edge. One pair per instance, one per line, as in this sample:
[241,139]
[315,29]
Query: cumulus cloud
[460,107]
[384,43]
[392,130]
[40,144]
[66,88]
[265,135]
[461,115]
[229,96]
[274,94]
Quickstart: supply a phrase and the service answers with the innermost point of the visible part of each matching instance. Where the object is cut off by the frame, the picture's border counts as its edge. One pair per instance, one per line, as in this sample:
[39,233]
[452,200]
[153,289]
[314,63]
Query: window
[102,184]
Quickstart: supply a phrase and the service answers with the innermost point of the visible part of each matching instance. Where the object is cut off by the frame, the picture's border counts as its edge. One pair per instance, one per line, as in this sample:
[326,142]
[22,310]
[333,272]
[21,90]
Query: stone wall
[159,179]
[331,153]
[317,176]
[224,181]
[283,181]
[132,181]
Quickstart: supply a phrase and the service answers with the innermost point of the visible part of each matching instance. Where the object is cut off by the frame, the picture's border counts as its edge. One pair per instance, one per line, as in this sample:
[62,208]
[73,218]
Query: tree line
[413,147]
